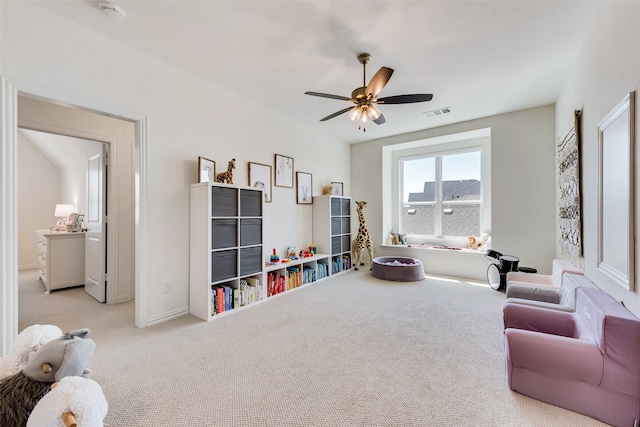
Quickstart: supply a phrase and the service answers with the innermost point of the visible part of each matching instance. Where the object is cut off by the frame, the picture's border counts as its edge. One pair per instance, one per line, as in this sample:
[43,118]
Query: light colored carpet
[349,351]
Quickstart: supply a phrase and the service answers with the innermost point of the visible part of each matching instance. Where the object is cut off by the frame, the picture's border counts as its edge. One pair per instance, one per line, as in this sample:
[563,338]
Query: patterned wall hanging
[569,209]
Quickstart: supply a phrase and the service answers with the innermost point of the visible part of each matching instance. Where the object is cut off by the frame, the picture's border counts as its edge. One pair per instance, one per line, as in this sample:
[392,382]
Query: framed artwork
[284,171]
[337,189]
[206,170]
[304,194]
[260,176]
[616,137]
[75,222]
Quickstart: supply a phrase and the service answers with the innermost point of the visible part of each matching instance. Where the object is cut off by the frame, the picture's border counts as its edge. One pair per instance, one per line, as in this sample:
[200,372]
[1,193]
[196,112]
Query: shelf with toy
[289,274]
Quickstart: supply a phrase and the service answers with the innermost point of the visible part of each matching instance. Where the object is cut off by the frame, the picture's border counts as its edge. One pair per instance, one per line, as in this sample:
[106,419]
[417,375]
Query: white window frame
[392,178]
[438,203]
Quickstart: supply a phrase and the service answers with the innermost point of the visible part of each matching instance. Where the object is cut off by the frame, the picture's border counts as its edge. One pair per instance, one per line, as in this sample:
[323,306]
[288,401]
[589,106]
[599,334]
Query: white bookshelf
[226,236]
[332,230]
[227,247]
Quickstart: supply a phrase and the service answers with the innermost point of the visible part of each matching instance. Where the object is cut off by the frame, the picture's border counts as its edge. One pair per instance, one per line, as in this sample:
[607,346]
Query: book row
[340,263]
[294,277]
[225,297]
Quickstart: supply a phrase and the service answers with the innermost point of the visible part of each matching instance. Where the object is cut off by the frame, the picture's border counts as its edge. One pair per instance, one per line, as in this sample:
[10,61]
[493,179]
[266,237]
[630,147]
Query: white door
[95,271]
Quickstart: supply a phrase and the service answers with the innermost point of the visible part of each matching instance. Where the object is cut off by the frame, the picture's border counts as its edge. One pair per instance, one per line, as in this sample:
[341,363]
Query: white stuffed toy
[25,345]
[71,401]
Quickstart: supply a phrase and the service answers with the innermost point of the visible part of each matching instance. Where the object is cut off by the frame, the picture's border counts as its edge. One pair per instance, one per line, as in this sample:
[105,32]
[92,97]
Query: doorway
[53,171]
[10,93]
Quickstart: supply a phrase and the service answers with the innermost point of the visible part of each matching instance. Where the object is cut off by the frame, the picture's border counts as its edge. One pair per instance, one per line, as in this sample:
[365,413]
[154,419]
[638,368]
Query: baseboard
[28,267]
[154,320]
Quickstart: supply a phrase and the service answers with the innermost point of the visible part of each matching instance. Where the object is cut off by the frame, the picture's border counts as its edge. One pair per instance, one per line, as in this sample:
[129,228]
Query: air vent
[438,112]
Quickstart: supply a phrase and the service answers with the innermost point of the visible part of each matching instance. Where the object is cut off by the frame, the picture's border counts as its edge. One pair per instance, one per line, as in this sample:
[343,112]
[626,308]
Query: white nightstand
[61,256]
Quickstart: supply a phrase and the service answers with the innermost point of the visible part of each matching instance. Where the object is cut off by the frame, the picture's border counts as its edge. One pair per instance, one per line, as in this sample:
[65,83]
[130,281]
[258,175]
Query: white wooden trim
[8,216]
[141,263]
[619,242]
[9,89]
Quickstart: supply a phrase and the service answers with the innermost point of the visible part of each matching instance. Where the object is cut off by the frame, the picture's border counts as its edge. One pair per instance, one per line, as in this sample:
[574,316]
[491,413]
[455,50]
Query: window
[438,190]
[441,194]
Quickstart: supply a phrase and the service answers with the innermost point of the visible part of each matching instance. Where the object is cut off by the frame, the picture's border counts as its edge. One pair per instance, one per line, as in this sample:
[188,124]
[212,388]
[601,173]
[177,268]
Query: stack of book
[276,283]
[225,297]
[322,271]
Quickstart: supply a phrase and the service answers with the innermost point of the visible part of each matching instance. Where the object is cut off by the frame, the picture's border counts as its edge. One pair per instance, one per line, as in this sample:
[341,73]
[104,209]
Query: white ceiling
[480,58]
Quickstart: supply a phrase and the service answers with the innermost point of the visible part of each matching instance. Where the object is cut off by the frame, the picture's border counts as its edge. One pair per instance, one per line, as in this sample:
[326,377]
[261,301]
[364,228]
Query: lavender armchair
[563,298]
[586,361]
[553,280]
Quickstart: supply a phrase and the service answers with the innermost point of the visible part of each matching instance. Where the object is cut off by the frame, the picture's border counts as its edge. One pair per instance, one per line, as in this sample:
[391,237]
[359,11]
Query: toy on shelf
[274,257]
[227,176]
[291,252]
[313,249]
[305,254]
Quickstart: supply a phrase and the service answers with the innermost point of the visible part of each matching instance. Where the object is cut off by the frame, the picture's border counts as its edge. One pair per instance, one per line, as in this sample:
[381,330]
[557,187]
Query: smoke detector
[112,10]
[438,112]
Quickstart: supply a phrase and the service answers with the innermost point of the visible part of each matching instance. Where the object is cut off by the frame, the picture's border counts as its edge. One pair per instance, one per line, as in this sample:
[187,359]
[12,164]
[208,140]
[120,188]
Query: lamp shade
[63,211]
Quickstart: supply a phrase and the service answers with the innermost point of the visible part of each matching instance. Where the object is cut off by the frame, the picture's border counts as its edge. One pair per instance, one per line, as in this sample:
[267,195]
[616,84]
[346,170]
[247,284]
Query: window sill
[436,248]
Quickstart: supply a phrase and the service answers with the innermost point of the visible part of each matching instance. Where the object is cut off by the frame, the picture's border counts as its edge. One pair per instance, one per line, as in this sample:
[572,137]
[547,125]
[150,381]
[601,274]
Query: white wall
[38,192]
[186,118]
[522,183]
[606,70]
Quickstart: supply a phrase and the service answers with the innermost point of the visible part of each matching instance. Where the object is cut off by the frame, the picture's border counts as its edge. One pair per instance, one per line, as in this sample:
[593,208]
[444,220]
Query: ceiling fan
[366,98]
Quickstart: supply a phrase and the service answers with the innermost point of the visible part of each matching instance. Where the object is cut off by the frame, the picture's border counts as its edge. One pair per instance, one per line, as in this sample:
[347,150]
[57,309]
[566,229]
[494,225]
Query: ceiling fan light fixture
[373,112]
[355,114]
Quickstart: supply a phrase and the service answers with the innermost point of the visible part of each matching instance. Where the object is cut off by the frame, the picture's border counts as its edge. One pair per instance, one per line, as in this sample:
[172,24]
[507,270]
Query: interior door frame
[9,91]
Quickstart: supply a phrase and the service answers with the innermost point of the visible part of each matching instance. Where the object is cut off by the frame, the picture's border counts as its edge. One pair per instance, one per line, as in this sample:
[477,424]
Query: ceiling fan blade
[327,95]
[380,120]
[331,116]
[406,99]
[378,82]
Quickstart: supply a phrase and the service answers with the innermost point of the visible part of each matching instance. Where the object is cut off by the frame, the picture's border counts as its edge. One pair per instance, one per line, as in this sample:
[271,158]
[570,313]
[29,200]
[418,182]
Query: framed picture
[337,189]
[75,222]
[284,171]
[260,176]
[206,170]
[304,194]
[616,138]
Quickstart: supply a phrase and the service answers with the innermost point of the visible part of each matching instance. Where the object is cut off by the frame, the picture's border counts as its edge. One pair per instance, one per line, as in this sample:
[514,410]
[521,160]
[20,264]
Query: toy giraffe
[363,239]
[227,176]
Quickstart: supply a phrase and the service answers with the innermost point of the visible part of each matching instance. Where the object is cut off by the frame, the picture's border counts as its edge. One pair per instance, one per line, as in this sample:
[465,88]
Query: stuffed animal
[474,243]
[65,356]
[327,190]
[72,401]
[227,176]
[25,345]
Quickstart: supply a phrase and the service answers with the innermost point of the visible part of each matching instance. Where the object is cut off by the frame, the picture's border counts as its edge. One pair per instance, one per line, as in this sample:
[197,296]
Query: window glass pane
[461,220]
[461,177]
[418,176]
[418,219]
